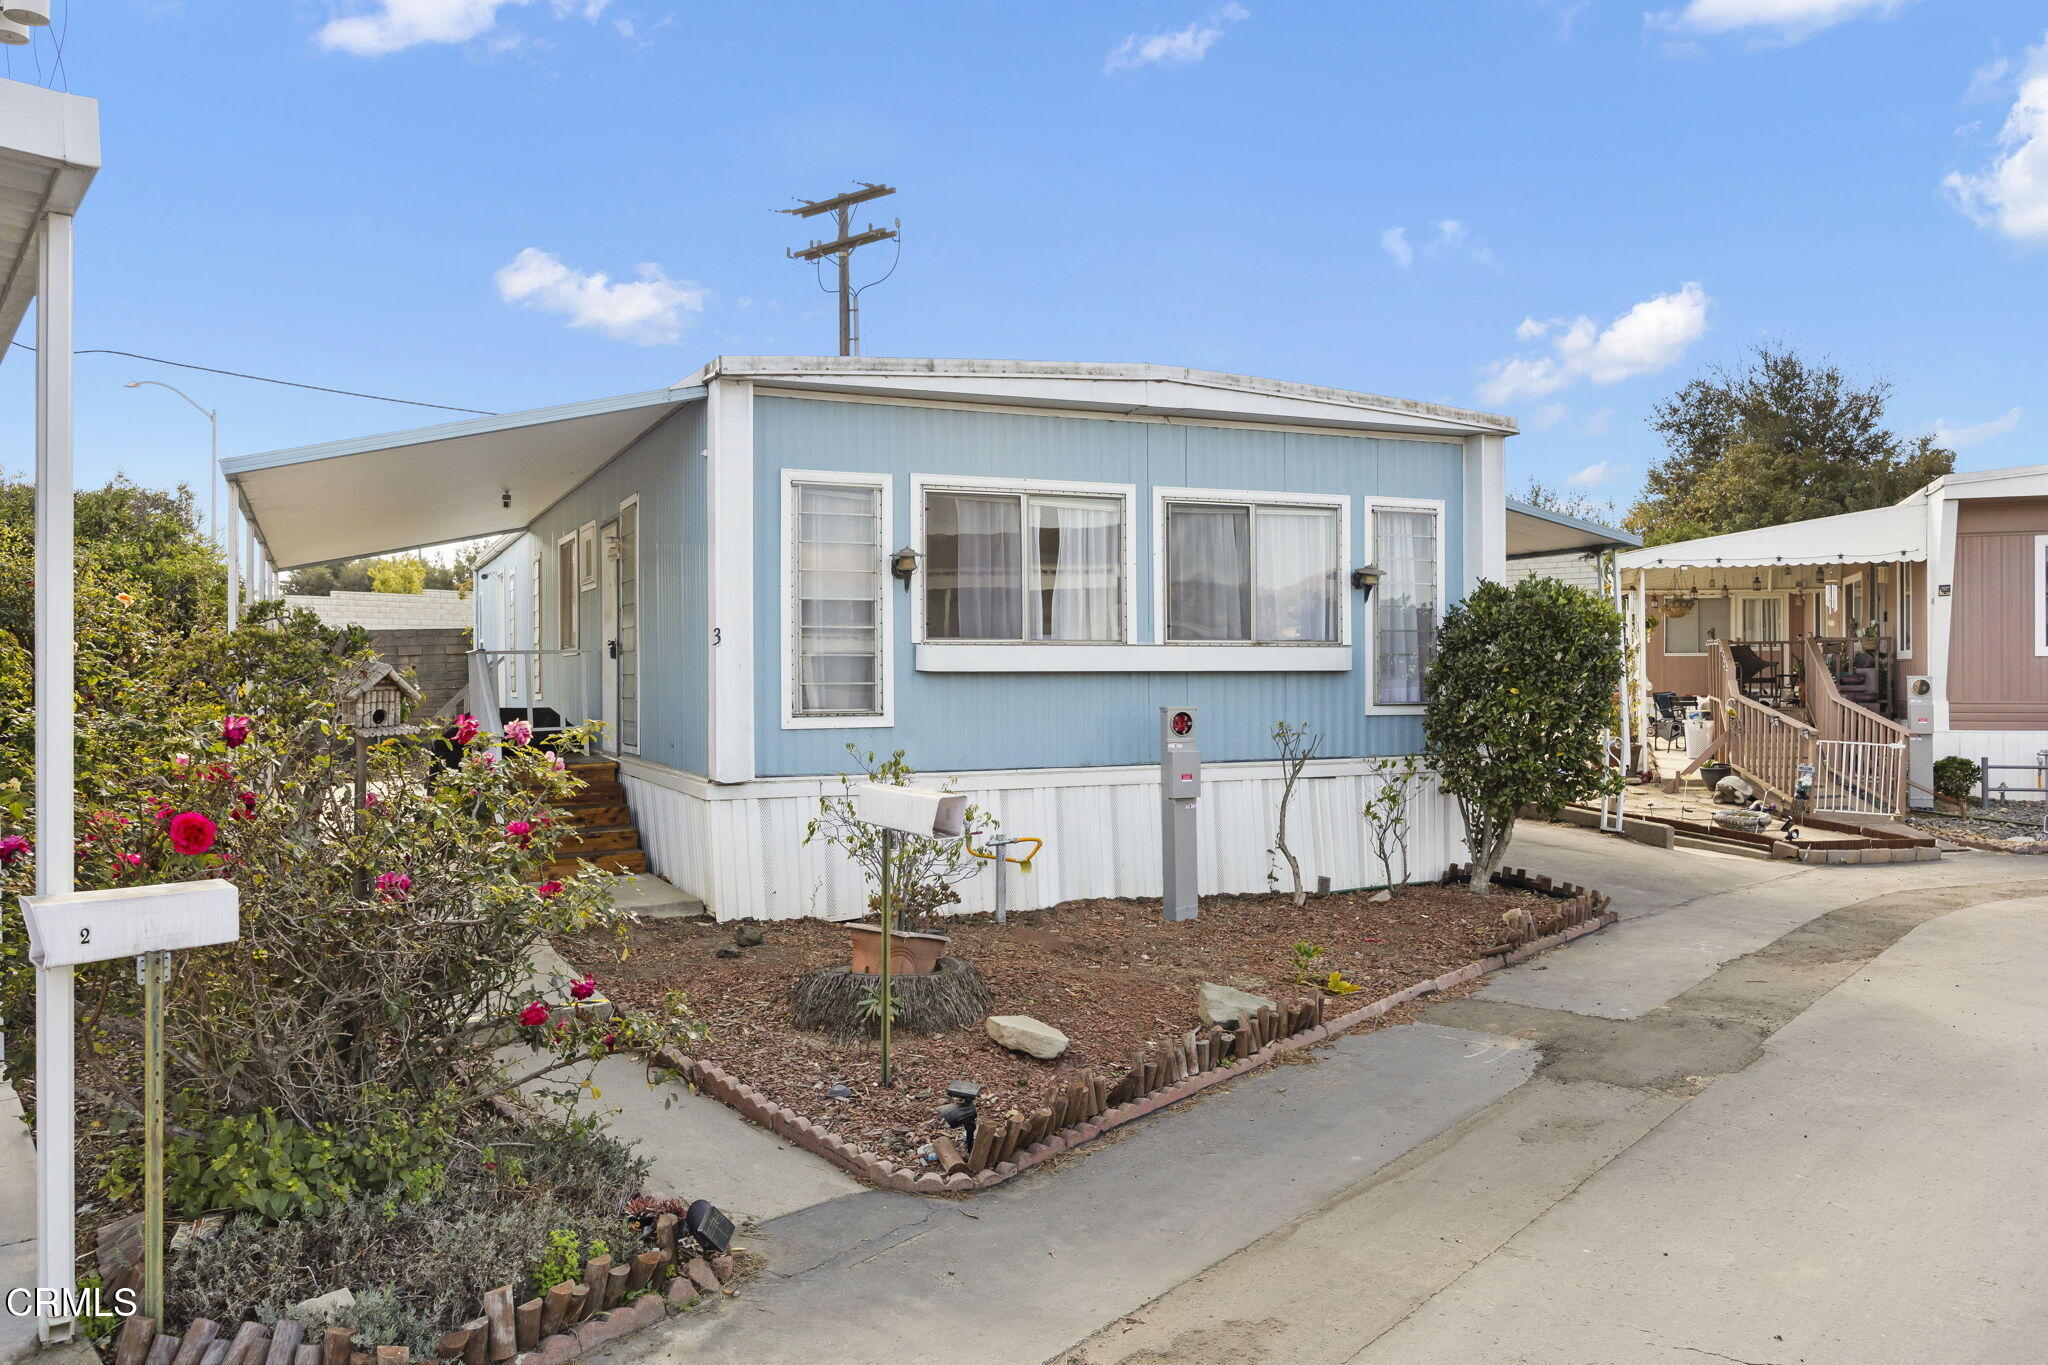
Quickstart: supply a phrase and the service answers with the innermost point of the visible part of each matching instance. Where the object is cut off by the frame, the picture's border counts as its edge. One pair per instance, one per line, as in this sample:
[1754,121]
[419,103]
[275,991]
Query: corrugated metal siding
[1102,839]
[1009,721]
[666,468]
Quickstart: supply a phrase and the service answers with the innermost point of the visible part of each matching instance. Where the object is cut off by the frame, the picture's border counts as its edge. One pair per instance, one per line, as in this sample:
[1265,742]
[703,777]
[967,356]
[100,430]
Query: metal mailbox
[77,927]
[1180,784]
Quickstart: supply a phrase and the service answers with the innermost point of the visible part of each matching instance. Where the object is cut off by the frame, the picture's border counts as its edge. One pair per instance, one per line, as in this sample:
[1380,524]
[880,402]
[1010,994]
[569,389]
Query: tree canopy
[396,573]
[1777,438]
[1566,503]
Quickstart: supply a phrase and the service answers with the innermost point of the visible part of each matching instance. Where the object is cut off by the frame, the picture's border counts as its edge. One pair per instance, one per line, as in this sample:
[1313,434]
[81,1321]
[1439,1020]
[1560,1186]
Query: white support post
[1485,511]
[56,1218]
[234,556]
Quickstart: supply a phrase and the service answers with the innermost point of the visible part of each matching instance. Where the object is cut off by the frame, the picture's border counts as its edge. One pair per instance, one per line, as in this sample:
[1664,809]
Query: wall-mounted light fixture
[505,499]
[1365,578]
[903,564]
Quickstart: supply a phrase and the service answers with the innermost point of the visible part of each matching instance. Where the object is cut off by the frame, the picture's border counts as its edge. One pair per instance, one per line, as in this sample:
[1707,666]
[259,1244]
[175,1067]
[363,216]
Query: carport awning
[1536,530]
[1877,536]
[377,495]
[49,152]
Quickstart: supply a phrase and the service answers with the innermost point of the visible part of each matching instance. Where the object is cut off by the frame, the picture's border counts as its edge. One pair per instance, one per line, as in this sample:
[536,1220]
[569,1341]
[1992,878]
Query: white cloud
[2011,193]
[649,311]
[1394,241]
[1593,474]
[387,26]
[1528,329]
[1988,80]
[1784,20]
[1600,423]
[1177,47]
[1450,240]
[1544,418]
[1649,337]
[1958,438]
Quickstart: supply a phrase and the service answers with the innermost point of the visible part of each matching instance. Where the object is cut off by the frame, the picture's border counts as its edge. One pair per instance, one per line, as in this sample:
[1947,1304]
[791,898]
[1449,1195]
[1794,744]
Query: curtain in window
[838,589]
[1297,573]
[1405,605]
[1208,572]
[974,567]
[1763,618]
[1077,546]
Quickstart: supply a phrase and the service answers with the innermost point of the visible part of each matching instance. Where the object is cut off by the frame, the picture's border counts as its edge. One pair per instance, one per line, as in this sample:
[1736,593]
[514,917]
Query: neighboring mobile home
[1002,568]
[1941,598]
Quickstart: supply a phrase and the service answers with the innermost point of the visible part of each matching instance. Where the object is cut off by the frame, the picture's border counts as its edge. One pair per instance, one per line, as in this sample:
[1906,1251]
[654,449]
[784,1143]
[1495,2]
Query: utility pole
[848,241]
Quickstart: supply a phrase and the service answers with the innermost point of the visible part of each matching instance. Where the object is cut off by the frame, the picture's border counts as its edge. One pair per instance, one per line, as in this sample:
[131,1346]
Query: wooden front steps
[605,835]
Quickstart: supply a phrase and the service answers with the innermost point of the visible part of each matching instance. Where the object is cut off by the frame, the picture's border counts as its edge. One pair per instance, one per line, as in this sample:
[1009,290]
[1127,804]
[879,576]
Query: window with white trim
[1902,629]
[1025,566]
[1705,621]
[836,588]
[1407,602]
[1253,572]
[568,595]
[2041,596]
[533,595]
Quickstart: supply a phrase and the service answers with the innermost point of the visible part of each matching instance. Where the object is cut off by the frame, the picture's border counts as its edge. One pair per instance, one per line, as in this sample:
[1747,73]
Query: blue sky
[1555,210]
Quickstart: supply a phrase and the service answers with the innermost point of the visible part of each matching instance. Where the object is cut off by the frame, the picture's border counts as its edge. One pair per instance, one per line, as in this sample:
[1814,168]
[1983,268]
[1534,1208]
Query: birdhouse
[373,696]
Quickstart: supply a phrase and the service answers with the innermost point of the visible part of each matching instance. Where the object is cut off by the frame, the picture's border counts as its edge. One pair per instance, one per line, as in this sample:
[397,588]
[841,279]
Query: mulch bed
[1110,974]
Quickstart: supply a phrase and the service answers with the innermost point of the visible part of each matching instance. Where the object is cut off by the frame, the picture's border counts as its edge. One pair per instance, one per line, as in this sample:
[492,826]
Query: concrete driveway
[1779,1113]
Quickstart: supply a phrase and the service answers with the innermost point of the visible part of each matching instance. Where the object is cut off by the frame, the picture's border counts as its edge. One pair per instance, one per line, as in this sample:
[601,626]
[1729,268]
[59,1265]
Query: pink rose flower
[393,886]
[519,832]
[234,730]
[371,800]
[465,728]
[584,989]
[534,1015]
[519,732]
[561,764]
[192,833]
[547,891]
[15,846]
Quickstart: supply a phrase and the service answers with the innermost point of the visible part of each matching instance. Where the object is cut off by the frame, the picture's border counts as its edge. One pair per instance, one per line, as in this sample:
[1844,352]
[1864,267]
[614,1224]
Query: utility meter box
[1180,783]
[1920,748]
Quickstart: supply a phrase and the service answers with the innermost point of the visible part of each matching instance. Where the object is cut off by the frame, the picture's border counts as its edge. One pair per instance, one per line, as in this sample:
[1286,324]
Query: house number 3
[717,637]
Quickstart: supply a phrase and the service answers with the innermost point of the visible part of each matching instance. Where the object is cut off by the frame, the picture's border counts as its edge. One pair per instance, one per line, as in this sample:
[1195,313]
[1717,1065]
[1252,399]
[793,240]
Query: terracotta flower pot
[909,953]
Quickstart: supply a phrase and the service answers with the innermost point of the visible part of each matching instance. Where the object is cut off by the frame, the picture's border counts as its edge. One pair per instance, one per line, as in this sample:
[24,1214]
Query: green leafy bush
[925,875]
[1520,699]
[1956,777]
[278,1169]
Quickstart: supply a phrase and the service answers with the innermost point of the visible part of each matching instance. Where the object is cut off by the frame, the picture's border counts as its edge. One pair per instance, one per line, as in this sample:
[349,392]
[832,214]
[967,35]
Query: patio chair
[1667,723]
[1755,674]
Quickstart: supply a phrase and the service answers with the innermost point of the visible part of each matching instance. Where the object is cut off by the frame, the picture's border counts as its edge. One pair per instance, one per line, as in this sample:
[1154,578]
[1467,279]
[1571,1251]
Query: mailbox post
[1180,783]
[70,928]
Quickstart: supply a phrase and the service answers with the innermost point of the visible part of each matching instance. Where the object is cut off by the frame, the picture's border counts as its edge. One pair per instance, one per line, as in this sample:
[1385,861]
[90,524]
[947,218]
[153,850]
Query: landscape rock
[1381,896]
[323,1307]
[1022,1033]
[747,935]
[1225,1005]
[727,950]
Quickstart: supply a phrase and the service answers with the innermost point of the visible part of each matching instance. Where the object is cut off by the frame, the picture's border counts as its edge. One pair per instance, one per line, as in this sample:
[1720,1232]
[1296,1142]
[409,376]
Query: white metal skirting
[744,855]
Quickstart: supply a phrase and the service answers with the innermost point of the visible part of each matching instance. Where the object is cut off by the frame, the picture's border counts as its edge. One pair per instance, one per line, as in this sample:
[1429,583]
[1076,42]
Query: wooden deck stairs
[605,834]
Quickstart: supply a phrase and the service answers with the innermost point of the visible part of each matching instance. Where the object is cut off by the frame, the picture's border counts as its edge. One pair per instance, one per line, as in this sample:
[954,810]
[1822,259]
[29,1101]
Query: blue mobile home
[1003,568]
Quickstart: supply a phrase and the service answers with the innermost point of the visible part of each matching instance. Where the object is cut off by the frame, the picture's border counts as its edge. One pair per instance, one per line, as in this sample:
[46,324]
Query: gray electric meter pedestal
[1180,782]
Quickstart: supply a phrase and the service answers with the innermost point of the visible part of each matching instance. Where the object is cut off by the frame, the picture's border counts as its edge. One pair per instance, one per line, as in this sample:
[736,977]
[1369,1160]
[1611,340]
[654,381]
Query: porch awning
[484,476]
[1878,536]
[49,151]
[1536,530]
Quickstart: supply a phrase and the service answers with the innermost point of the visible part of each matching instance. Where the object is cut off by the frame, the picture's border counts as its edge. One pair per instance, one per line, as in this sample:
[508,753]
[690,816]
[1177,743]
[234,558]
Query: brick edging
[715,1080]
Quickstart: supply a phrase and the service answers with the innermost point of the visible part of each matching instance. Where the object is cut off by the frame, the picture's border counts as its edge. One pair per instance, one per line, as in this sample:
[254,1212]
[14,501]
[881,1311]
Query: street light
[230,546]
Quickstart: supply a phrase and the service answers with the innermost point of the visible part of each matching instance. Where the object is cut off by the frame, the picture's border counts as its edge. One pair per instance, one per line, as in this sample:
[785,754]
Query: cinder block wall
[438,660]
[1577,569]
[434,609]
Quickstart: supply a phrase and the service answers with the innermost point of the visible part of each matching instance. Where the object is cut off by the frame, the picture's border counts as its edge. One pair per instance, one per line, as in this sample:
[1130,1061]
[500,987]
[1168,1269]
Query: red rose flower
[583,989]
[547,891]
[519,832]
[234,730]
[534,1015]
[465,728]
[192,833]
[14,846]
[248,807]
[393,886]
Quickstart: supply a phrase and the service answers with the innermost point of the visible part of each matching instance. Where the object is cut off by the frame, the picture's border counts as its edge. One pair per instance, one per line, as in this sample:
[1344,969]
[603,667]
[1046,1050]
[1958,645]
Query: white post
[56,1222]
[234,556]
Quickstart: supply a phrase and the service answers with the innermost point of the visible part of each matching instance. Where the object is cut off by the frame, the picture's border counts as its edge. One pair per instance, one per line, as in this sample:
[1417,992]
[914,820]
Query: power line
[266,379]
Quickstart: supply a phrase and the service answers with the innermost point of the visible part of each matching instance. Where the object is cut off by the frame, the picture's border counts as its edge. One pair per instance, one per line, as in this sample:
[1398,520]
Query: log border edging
[1587,906]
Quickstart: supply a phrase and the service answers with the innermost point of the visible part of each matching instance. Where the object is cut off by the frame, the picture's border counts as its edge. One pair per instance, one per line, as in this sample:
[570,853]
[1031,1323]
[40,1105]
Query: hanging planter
[1678,608]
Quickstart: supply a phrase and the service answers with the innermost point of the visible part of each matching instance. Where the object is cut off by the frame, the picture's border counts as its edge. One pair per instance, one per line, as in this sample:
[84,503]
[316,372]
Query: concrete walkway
[1376,1205]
